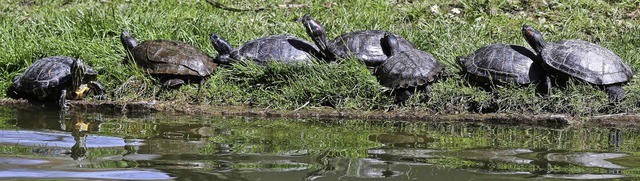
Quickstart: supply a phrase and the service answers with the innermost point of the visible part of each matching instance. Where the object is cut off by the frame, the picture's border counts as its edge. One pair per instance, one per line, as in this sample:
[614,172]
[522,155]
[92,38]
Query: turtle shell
[409,68]
[365,45]
[586,61]
[284,48]
[166,57]
[46,77]
[504,64]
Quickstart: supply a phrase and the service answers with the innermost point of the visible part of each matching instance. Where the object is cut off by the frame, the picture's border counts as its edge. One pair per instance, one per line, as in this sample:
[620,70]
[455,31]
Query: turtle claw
[100,97]
[65,106]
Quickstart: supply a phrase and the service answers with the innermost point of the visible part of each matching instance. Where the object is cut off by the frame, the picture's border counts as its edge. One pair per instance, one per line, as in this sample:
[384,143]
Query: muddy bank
[552,120]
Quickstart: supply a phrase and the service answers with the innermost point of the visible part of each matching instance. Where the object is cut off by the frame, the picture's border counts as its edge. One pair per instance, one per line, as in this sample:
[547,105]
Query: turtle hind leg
[172,83]
[614,92]
[202,83]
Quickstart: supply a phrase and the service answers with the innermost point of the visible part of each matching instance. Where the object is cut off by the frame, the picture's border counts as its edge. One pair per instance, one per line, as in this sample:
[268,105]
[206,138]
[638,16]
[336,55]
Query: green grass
[90,30]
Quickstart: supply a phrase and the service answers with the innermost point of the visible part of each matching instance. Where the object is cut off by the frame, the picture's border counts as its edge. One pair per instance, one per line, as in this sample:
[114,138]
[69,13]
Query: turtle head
[83,81]
[226,52]
[128,41]
[78,72]
[318,34]
[534,38]
[389,44]
[460,60]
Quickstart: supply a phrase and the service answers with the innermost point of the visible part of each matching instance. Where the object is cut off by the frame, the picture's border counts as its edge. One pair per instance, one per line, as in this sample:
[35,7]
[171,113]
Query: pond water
[88,146]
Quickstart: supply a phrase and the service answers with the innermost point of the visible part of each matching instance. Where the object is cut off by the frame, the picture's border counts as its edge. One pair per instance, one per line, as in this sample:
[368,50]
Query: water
[89,146]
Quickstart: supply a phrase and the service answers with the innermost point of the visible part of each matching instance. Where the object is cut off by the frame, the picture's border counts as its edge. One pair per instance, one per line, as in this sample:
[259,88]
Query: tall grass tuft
[346,85]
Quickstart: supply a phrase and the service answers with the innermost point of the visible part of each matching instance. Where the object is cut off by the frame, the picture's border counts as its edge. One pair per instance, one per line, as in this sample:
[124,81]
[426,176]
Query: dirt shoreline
[548,120]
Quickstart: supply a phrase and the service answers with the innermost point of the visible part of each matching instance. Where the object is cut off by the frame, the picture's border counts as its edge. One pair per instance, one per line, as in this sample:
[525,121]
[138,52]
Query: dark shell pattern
[165,57]
[366,46]
[587,61]
[409,68]
[504,63]
[46,76]
[284,48]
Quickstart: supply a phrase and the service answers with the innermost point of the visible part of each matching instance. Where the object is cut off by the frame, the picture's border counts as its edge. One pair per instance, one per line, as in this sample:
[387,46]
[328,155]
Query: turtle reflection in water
[401,140]
[79,133]
[79,128]
[56,78]
[586,159]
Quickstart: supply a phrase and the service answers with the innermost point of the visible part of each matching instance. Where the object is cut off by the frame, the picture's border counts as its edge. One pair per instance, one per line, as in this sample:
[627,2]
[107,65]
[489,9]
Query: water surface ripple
[39,144]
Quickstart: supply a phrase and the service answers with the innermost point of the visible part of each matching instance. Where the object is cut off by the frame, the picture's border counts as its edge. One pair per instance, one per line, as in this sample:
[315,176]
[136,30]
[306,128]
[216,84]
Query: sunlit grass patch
[344,85]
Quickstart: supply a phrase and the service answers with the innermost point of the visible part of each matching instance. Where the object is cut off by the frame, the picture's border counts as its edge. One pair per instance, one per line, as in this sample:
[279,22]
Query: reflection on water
[56,139]
[586,159]
[43,144]
[120,175]
[79,130]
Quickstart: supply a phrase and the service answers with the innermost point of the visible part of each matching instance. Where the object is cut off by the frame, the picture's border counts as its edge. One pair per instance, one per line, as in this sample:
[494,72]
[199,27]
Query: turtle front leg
[402,95]
[614,92]
[13,92]
[98,90]
[546,89]
[543,88]
[170,84]
[62,101]
[202,82]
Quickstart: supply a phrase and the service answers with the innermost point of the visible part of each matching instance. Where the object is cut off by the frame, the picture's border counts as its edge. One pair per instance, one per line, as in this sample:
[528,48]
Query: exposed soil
[549,120]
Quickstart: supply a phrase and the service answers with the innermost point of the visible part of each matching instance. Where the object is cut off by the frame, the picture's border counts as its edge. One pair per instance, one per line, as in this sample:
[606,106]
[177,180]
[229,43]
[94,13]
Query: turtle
[364,45]
[503,64]
[78,151]
[173,63]
[284,48]
[56,78]
[406,70]
[583,60]
[52,151]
